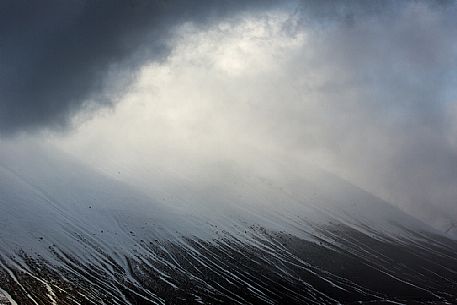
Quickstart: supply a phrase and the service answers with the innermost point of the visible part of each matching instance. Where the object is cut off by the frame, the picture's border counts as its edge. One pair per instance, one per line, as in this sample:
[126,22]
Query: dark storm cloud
[57,57]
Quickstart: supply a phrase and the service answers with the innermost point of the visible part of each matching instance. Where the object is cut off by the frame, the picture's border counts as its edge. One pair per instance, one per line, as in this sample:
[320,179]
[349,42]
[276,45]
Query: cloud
[372,100]
[58,58]
[363,89]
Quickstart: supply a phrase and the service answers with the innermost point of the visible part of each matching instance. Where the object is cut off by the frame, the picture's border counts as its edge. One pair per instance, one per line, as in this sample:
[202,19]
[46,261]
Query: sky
[363,89]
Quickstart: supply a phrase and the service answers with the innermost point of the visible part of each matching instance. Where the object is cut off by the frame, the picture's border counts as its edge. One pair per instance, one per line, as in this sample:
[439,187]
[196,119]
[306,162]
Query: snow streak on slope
[72,236]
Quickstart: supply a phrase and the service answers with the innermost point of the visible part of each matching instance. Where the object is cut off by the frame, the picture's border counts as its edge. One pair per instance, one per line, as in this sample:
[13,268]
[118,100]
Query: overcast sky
[364,89]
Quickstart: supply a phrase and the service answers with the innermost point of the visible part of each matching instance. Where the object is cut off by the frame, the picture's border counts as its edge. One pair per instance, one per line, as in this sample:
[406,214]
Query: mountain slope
[72,236]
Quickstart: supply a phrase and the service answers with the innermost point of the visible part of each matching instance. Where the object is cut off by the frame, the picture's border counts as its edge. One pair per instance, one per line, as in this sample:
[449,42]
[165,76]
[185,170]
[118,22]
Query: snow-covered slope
[69,235]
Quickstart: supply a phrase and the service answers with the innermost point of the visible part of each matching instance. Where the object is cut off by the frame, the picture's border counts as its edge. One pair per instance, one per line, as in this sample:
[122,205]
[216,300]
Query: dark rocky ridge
[279,268]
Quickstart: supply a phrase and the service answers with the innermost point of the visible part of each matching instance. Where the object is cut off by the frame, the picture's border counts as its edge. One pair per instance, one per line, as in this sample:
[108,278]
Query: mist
[364,91]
